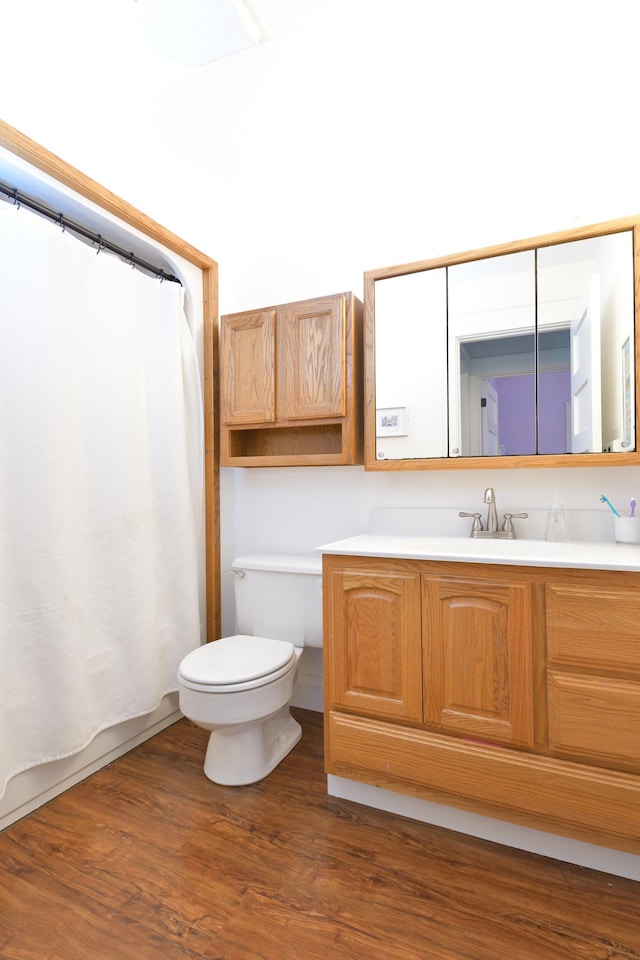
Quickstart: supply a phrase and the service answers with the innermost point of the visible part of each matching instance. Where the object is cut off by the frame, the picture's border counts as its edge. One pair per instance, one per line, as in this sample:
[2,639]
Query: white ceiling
[195,32]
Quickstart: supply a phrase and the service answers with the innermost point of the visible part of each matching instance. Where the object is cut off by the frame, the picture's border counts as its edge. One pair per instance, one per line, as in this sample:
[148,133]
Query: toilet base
[246,753]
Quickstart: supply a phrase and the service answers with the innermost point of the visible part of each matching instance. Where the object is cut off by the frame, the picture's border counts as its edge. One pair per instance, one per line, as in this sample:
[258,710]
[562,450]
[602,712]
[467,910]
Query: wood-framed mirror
[522,354]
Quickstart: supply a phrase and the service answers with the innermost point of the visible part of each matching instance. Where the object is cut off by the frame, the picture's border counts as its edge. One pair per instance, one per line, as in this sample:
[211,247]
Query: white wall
[361,134]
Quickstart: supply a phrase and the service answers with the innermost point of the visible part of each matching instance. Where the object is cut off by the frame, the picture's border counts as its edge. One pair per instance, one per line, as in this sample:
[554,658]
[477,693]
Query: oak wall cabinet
[291,384]
[509,691]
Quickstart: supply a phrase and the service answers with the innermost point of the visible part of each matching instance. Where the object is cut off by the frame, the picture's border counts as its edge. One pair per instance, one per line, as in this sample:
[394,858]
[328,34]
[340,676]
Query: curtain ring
[16,200]
[61,223]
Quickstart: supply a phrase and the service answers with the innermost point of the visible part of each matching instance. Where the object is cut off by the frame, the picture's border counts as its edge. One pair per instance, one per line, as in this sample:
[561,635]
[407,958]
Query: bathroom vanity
[500,677]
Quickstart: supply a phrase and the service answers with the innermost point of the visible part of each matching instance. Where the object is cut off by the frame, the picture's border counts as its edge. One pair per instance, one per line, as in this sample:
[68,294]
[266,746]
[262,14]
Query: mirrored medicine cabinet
[522,354]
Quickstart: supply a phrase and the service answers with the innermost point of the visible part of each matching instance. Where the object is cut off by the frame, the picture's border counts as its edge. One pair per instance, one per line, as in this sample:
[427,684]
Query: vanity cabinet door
[372,647]
[595,719]
[595,625]
[478,659]
[593,678]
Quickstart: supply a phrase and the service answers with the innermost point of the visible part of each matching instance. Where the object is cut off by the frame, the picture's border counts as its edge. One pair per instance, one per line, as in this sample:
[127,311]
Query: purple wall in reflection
[516,406]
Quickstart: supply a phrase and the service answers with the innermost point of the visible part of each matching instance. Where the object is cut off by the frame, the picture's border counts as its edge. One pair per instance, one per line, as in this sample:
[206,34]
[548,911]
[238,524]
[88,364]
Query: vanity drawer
[595,718]
[593,626]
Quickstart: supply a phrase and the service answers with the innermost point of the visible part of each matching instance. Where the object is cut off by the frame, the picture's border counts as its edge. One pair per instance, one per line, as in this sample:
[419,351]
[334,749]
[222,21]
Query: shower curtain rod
[20,199]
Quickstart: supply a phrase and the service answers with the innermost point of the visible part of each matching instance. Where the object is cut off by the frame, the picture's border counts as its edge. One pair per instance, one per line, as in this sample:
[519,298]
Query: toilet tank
[279,596]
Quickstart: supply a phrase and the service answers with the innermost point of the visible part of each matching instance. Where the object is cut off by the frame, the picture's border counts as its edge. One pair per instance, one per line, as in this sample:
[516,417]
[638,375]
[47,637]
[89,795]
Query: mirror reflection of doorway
[499,417]
[489,419]
[586,388]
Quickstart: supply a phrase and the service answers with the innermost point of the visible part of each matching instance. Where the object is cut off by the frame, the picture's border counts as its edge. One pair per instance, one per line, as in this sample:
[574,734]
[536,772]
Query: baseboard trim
[308,692]
[615,862]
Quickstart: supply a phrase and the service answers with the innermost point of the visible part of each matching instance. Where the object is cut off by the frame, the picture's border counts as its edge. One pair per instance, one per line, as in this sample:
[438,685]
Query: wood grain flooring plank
[148,859]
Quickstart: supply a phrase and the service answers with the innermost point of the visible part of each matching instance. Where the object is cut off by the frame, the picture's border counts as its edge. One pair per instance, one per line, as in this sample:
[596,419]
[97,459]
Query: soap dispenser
[556,522]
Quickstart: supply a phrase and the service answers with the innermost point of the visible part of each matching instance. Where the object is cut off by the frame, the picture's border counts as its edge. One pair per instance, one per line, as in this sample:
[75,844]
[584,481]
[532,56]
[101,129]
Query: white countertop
[531,553]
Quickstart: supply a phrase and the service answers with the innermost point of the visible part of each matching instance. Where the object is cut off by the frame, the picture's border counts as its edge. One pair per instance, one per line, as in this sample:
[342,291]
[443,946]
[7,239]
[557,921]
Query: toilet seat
[236,663]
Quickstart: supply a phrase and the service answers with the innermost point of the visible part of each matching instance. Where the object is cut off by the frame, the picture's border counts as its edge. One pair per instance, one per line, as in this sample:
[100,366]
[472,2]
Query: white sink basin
[538,553]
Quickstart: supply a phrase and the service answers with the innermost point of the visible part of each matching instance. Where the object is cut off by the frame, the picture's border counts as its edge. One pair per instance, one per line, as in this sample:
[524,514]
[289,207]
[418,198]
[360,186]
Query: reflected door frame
[466,432]
[472,420]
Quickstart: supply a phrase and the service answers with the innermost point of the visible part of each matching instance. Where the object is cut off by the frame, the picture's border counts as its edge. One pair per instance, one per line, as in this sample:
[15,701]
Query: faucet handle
[476,526]
[507,526]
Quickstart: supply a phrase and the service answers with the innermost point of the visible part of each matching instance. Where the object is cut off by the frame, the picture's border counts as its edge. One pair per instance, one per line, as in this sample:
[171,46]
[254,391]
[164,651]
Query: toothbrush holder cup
[627,529]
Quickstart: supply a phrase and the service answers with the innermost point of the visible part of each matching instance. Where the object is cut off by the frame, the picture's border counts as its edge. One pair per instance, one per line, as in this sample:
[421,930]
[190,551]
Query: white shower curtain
[101,491]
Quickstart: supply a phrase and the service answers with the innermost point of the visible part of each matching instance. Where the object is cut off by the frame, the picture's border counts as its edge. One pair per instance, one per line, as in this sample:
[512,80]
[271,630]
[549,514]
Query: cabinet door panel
[478,654]
[372,645]
[595,718]
[313,361]
[593,626]
[247,356]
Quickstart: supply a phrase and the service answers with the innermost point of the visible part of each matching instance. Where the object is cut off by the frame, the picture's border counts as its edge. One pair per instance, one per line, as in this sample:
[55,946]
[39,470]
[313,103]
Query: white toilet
[239,687]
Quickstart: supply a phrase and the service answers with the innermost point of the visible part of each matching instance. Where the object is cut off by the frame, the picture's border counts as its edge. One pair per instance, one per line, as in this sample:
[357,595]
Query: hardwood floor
[150,860]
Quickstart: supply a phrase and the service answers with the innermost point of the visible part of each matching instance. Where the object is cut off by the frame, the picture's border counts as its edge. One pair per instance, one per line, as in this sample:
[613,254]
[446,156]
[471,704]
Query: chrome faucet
[492,513]
[507,532]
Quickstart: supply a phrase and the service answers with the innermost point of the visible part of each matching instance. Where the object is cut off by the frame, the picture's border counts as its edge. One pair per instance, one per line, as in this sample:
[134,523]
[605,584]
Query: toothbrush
[606,500]
[632,508]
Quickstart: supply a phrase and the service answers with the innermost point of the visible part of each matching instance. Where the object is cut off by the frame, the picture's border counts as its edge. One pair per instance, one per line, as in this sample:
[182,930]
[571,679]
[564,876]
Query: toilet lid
[235,660]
